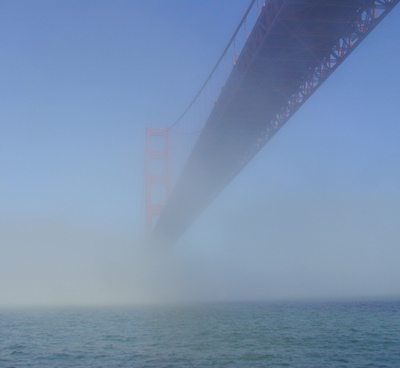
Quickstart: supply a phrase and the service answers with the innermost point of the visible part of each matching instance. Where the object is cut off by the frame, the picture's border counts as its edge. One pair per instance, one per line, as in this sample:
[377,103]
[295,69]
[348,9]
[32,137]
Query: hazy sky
[315,214]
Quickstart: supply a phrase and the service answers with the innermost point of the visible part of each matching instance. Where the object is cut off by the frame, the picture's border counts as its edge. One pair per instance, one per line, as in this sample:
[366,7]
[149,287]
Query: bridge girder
[293,48]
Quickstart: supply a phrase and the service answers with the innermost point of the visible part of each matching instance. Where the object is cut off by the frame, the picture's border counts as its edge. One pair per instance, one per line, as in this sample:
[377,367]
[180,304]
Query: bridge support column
[157,174]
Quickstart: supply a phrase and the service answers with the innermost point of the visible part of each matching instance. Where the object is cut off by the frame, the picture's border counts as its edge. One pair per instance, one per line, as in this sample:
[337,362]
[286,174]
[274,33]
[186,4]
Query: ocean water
[298,334]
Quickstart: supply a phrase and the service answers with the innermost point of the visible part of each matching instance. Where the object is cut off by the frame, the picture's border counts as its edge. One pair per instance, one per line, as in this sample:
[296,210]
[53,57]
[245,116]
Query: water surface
[298,334]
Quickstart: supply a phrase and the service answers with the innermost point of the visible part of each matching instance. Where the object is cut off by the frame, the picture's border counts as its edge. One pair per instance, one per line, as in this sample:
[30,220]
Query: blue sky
[82,79]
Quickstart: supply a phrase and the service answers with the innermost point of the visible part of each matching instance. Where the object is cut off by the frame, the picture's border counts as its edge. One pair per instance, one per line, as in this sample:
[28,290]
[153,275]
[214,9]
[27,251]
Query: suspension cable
[217,64]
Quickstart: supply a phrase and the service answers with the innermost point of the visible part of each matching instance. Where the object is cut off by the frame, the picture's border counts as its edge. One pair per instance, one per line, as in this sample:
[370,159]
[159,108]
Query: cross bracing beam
[293,48]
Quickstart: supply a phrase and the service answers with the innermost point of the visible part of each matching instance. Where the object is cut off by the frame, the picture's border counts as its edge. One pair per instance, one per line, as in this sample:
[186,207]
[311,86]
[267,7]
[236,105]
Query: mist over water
[284,249]
[50,263]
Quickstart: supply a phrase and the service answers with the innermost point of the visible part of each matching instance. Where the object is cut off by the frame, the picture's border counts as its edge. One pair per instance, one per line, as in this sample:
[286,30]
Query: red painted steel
[293,48]
[161,179]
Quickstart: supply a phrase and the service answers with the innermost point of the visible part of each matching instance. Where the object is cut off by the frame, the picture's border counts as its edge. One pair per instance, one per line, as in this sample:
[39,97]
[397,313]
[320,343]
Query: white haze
[337,247]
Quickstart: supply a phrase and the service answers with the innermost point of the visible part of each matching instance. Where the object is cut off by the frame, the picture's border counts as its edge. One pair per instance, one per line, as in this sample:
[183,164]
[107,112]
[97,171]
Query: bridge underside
[293,48]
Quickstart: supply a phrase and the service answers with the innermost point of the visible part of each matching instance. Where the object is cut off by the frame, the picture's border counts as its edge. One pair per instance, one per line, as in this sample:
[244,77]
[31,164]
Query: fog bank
[309,247]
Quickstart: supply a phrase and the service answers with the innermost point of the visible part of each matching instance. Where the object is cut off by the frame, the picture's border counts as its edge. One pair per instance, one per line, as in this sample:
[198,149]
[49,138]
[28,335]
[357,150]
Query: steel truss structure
[293,48]
[366,18]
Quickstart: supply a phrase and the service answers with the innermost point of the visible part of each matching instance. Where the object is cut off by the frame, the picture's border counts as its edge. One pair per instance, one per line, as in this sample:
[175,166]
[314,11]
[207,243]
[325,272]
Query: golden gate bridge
[260,80]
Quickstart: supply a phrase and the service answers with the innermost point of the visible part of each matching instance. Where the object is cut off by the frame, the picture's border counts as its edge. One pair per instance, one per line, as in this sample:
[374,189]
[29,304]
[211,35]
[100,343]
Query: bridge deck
[294,46]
